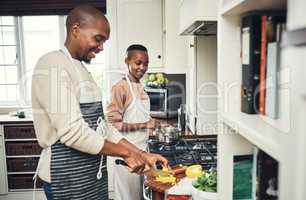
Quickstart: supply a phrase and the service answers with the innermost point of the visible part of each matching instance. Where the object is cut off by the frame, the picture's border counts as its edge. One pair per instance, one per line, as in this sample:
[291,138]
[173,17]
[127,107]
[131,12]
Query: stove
[201,150]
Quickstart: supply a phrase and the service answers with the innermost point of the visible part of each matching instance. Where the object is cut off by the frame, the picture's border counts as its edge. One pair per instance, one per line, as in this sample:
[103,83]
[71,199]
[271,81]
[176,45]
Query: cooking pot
[167,134]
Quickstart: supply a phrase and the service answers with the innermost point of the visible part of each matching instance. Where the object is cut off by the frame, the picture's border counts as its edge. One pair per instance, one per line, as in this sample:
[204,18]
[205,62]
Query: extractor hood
[201,28]
[198,17]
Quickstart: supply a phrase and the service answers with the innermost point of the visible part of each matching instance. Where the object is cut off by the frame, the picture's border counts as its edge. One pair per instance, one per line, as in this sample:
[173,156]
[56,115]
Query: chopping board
[161,187]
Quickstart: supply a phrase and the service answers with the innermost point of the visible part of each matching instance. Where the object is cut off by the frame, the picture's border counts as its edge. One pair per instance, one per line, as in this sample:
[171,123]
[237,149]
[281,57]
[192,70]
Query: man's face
[138,63]
[91,38]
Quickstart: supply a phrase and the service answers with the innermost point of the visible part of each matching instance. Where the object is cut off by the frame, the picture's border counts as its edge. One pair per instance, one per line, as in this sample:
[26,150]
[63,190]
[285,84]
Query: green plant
[207,182]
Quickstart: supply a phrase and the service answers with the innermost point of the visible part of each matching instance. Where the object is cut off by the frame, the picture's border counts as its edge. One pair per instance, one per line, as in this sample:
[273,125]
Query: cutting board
[161,187]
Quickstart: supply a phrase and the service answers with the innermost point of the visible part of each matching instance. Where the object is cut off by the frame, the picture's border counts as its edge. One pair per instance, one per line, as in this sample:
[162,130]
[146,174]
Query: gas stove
[201,150]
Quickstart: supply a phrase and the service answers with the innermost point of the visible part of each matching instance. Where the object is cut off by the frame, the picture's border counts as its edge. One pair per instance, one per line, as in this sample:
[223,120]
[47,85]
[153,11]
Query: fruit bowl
[157,80]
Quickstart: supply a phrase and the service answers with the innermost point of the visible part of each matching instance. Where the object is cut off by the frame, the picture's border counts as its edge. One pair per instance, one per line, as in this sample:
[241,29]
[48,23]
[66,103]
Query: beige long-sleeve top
[57,84]
[121,98]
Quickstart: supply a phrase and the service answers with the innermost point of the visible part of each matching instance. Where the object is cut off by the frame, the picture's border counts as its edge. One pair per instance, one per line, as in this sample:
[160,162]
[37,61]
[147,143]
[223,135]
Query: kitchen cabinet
[175,46]
[22,152]
[19,154]
[198,17]
[140,22]
[202,87]
[284,138]
[3,176]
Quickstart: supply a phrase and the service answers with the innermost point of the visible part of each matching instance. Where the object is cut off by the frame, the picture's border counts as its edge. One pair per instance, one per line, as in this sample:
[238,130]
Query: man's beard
[86,60]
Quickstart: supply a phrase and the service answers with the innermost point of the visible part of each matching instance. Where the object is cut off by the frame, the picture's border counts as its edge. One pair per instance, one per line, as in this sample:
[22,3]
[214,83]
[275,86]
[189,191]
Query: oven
[158,102]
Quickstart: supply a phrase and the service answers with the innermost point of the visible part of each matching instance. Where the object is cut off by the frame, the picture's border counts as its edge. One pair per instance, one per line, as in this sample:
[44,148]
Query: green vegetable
[152,77]
[207,182]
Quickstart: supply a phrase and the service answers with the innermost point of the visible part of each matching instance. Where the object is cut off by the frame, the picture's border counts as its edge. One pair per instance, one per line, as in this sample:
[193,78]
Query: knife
[120,162]
[158,171]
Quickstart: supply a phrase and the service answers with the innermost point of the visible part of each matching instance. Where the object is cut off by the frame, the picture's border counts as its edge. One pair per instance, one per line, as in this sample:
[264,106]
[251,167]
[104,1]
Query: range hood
[201,28]
[198,17]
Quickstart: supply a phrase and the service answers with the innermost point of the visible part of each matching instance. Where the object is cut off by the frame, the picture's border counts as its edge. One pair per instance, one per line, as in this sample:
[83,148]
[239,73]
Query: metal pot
[167,134]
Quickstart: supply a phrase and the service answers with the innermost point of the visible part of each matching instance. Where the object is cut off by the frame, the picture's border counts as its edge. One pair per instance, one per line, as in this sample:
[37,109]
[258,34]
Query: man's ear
[75,29]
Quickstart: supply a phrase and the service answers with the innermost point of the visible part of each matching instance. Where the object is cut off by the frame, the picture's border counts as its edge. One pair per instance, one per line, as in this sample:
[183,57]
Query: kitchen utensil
[120,162]
[168,134]
[181,118]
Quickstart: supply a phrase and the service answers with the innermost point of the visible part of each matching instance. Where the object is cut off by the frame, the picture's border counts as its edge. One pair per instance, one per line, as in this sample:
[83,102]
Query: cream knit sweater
[59,85]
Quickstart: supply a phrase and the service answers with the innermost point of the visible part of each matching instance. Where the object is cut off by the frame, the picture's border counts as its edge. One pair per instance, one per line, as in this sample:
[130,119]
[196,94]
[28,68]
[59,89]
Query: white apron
[127,185]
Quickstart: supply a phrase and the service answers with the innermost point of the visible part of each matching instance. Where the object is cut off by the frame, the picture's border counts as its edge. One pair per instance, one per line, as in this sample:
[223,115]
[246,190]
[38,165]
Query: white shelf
[24,156]
[237,7]
[20,140]
[20,173]
[257,131]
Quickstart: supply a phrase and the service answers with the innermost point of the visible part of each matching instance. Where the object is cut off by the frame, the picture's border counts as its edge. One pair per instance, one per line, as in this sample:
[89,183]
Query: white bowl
[201,195]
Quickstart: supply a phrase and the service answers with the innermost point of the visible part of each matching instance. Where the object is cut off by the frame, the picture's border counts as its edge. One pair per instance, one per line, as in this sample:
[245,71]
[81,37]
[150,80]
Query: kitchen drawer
[22,181]
[22,148]
[19,132]
[22,164]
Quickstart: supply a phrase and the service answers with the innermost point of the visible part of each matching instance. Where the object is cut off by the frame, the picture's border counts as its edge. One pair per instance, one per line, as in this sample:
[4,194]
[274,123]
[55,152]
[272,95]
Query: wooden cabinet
[140,22]
[21,152]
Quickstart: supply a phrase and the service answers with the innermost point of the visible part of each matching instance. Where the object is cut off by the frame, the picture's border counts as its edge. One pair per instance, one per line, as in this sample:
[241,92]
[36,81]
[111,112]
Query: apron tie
[42,154]
[101,129]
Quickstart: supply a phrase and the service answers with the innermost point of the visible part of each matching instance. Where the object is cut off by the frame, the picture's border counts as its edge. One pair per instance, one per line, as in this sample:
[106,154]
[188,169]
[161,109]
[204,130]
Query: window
[23,40]
[8,60]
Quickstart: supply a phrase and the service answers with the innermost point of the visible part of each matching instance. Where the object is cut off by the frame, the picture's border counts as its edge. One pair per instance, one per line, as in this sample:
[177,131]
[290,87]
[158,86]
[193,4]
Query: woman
[129,112]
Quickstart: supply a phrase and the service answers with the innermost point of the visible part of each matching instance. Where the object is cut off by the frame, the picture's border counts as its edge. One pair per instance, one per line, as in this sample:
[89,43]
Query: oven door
[158,102]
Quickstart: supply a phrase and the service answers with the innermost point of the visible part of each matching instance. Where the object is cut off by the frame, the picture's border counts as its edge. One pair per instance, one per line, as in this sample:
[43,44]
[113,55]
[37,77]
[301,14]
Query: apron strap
[130,86]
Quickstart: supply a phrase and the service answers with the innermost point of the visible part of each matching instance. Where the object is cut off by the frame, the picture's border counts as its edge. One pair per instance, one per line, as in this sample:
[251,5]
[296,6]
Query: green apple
[152,77]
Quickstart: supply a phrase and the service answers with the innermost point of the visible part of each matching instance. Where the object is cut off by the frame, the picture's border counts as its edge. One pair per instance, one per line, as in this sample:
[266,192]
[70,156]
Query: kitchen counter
[6,119]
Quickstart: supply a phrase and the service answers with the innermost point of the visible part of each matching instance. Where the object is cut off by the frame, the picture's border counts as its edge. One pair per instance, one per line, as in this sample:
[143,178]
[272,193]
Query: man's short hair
[136,47]
[82,15]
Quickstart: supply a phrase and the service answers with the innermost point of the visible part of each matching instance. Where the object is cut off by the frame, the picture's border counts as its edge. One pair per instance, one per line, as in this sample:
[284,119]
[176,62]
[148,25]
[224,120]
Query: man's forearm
[112,149]
[129,146]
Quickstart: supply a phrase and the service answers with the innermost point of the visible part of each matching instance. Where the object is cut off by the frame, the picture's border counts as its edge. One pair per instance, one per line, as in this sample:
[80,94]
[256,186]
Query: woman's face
[137,63]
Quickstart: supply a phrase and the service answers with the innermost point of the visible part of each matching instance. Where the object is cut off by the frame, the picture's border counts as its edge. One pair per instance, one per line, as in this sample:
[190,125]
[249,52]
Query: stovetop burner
[188,151]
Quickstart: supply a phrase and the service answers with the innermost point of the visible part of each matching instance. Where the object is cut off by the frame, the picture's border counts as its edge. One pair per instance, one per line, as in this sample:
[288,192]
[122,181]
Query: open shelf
[237,7]
[257,132]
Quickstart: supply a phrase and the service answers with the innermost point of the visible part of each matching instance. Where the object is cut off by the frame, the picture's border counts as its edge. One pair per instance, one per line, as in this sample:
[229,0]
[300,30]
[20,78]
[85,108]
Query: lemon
[194,171]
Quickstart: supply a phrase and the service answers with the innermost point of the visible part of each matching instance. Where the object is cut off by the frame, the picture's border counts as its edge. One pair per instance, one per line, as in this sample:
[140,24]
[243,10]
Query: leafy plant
[207,182]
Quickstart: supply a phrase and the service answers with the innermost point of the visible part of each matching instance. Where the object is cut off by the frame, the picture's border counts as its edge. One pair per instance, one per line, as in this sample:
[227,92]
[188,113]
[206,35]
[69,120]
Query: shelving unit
[283,139]
[21,155]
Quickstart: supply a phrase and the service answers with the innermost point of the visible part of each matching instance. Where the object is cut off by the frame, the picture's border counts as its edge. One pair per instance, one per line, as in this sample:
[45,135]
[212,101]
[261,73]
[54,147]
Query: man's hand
[152,159]
[136,163]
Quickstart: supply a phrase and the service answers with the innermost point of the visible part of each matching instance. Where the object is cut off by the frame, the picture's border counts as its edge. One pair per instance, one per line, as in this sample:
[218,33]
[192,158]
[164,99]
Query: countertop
[13,119]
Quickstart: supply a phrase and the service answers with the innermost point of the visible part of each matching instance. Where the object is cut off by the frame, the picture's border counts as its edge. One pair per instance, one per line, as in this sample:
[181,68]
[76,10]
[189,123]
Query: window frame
[23,93]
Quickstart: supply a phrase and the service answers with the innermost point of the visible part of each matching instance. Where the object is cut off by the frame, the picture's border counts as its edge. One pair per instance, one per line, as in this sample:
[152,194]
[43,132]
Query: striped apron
[73,173]
[76,175]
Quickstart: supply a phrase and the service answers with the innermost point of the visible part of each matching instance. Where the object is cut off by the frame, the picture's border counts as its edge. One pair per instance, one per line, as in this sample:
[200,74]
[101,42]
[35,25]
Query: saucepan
[167,134]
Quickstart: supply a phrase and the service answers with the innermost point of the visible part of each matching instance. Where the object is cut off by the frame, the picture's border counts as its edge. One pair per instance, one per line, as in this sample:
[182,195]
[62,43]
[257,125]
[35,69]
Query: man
[69,120]
[129,112]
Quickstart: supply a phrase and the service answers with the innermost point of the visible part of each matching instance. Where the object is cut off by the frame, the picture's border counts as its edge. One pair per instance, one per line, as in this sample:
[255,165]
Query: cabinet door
[140,22]
[206,84]
[3,178]
[191,84]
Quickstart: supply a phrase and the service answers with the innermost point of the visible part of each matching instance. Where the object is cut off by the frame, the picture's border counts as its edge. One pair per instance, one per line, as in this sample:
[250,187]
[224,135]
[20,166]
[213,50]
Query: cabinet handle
[191,45]
[159,56]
